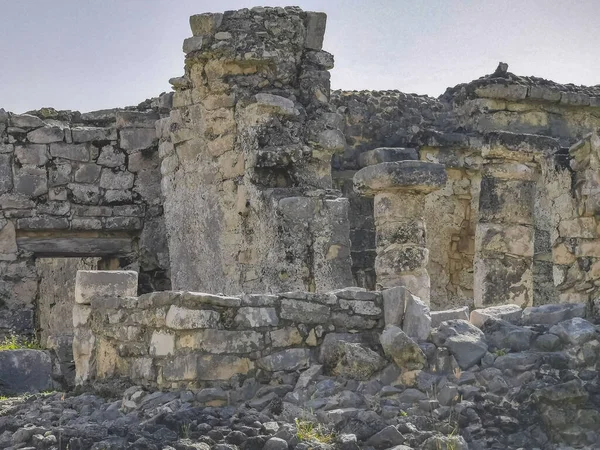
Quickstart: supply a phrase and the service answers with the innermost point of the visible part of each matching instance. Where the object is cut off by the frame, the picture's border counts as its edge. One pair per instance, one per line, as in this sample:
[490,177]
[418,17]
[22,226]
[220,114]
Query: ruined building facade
[253,177]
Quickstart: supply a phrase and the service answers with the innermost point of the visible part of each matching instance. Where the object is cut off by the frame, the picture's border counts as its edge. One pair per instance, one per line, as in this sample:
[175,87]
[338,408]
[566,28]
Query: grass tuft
[308,431]
[16,343]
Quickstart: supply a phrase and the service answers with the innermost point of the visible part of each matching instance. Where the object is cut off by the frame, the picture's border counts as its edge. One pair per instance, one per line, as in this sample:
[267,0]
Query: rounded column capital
[413,176]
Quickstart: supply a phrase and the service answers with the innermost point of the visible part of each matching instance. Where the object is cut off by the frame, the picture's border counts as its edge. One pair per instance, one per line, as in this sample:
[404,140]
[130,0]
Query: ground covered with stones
[504,386]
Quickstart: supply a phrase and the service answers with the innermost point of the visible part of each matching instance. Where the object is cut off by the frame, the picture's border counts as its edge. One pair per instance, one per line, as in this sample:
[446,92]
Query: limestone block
[287,360]
[506,201]
[137,138]
[387,154]
[417,284]
[26,121]
[404,351]
[285,337]
[31,181]
[46,135]
[315,30]
[192,44]
[222,367]
[162,344]
[584,227]
[111,157]
[417,319]
[277,103]
[394,304]
[400,258]
[25,371]
[87,173]
[43,223]
[544,93]
[553,314]
[84,343]
[365,308]
[498,281]
[73,152]
[408,175]
[575,331]
[437,317]
[502,91]
[181,367]
[510,313]
[205,24]
[7,148]
[515,240]
[85,194]
[33,154]
[108,283]
[304,312]
[116,180]
[180,318]
[6,173]
[222,341]
[353,360]
[90,134]
[136,119]
[81,315]
[8,239]
[251,317]
[465,341]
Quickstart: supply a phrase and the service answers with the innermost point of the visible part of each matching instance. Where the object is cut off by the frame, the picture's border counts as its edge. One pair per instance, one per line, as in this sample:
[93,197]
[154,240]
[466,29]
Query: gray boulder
[501,334]
[405,352]
[464,340]
[574,331]
[417,319]
[552,314]
[345,356]
[25,371]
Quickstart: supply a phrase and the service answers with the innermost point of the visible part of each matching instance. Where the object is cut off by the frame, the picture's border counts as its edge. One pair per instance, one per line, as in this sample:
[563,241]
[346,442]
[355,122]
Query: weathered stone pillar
[399,189]
[96,286]
[504,236]
[246,157]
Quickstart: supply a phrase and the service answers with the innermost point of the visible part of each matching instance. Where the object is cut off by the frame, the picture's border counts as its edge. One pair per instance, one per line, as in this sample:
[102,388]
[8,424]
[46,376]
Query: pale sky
[93,54]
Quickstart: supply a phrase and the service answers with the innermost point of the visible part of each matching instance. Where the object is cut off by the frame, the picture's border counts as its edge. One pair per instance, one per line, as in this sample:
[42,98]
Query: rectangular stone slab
[75,246]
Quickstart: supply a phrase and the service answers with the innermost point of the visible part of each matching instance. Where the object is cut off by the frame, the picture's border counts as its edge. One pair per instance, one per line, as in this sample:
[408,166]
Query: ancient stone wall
[246,157]
[177,339]
[575,238]
[77,185]
[508,102]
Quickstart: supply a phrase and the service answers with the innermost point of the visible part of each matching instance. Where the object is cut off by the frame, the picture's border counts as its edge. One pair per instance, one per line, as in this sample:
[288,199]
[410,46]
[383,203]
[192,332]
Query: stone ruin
[427,259]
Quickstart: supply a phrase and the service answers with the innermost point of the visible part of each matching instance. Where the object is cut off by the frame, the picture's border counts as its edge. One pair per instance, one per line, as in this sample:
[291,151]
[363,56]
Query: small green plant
[308,431]
[15,343]
[403,413]
[500,352]
[185,430]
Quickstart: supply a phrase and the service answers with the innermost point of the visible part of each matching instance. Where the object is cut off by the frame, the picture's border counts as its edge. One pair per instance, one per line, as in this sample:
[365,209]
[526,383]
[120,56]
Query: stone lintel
[413,176]
[387,154]
[517,146]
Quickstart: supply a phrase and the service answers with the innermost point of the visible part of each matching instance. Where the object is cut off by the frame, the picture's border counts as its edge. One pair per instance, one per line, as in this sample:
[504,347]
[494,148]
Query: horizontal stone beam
[57,246]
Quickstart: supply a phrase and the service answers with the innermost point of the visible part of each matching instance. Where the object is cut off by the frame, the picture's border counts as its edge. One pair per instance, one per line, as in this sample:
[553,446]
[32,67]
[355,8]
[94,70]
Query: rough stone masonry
[408,272]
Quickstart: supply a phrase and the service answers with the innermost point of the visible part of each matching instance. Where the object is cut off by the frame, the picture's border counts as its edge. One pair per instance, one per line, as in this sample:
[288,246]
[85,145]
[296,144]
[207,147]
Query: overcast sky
[94,54]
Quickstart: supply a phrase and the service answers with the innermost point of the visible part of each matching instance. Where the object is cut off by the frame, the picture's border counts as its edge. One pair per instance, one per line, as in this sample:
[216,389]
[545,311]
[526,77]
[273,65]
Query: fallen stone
[417,319]
[552,314]
[437,317]
[464,340]
[404,351]
[23,371]
[576,331]
[510,313]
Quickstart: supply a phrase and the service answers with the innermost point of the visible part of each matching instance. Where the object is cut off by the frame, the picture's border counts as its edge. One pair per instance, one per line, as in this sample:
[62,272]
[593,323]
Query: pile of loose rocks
[517,380]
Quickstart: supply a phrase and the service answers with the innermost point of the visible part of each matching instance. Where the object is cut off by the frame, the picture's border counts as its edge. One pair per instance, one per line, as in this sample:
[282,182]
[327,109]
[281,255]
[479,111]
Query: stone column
[246,157]
[399,189]
[96,286]
[504,236]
